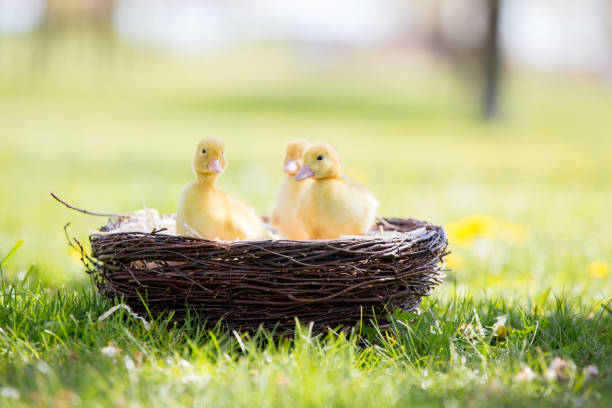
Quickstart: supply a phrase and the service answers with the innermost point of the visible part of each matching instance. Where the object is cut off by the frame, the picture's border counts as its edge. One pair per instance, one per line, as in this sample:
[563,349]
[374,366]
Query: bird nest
[251,284]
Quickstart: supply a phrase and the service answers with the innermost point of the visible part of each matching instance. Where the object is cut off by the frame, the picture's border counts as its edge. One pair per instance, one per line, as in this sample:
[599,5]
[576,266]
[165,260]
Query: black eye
[319,157]
[203,151]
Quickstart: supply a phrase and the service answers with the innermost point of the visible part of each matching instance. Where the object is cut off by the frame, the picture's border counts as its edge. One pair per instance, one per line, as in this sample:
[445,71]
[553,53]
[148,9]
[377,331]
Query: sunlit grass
[54,346]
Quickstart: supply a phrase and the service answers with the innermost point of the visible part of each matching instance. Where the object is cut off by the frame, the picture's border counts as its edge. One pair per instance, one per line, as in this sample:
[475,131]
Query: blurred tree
[64,12]
[491,61]
[84,20]
[466,32]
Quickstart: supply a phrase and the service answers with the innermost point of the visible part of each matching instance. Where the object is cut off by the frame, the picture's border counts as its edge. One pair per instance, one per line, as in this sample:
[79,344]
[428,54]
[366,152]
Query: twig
[86,211]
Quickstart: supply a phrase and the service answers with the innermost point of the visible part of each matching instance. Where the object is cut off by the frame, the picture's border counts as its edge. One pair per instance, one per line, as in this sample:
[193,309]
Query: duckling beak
[304,173]
[291,167]
[215,166]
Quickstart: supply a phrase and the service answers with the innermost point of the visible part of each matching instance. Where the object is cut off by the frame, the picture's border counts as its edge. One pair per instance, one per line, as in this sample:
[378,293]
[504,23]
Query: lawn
[526,202]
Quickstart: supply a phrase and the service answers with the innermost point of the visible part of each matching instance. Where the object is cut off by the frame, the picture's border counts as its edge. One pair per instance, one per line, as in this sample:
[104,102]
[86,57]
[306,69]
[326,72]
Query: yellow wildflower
[465,231]
[598,269]
[499,329]
[501,332]
[390,338]
[455,261]
[74,254]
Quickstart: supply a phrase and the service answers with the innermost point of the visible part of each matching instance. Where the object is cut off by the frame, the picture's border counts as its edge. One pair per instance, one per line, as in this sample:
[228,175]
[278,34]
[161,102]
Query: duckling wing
[353,209]
[287,201]
[244,221]
[281,204]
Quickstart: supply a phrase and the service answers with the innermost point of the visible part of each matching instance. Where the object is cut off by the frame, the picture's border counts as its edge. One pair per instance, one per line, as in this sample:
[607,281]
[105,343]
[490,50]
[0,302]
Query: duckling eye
[319,157]
[203,151]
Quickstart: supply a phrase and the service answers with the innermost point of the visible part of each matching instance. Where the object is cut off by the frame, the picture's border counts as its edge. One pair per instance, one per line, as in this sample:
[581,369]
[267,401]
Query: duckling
[289,192]
[332,206]
[207,212]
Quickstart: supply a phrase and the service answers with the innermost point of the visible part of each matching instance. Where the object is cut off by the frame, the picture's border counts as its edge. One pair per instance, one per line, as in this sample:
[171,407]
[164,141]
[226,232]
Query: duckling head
[209,158]
[321,161]
[294,156]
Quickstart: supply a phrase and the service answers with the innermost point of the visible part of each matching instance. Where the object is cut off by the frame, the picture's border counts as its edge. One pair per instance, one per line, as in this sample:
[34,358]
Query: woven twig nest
[249,284]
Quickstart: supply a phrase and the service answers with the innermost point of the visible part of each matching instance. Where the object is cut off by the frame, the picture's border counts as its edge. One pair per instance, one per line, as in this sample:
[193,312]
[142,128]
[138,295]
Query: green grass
[114,132]
[51,345]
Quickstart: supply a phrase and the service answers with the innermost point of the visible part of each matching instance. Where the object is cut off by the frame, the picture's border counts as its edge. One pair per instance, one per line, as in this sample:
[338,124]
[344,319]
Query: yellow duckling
[207,212]
[290,190]
[332,206]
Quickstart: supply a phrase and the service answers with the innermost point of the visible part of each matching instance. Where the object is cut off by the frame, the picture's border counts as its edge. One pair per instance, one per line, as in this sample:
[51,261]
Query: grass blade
[12,252]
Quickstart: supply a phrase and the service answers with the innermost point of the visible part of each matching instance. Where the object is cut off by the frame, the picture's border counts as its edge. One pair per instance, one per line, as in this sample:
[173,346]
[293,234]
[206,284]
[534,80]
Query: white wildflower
[559,369]
[467,330]
[192,378]
[590,372]
[471,331]
[129,363]
[184,364]
[110,351]
[526,375]
[43,367]
[9,393]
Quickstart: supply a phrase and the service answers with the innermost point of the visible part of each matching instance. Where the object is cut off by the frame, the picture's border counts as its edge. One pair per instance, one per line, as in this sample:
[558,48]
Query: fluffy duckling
[207,212]
[289,192]
[332,206]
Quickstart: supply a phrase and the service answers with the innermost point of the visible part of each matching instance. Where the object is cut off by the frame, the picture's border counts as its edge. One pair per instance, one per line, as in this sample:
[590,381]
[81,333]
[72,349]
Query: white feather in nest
[148,219]
[414,235]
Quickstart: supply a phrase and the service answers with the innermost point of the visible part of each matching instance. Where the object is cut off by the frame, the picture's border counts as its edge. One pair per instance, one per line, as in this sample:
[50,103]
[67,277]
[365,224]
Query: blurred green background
[492,118]
[109,124]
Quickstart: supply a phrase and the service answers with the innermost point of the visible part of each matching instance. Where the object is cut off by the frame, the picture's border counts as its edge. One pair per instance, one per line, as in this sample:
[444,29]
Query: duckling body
[332,206]
[289,193]
[211,213]
[204,211]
